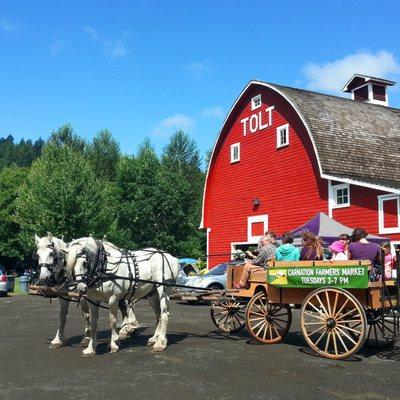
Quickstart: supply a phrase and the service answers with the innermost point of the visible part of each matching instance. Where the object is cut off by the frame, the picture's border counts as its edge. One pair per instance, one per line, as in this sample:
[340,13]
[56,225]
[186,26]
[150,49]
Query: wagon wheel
[333,322]
[228,315]
[382,329]
[266,322]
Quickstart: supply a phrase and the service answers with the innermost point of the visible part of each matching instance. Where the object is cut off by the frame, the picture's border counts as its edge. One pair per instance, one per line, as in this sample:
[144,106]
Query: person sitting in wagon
[361,249]
[266,253]
[339,248]
[287,252]
[312,249]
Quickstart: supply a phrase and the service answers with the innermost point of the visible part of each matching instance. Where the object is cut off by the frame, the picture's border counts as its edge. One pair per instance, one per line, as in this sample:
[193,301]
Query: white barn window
[256,102]
[389,213]
[235,152]
[282,136]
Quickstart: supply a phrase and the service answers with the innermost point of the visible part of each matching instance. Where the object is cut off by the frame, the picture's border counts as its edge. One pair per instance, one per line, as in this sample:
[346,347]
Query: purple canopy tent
[328,229]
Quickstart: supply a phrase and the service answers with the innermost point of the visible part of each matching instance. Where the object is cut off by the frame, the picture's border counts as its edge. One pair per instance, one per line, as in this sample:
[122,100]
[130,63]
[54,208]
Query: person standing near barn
[266,253]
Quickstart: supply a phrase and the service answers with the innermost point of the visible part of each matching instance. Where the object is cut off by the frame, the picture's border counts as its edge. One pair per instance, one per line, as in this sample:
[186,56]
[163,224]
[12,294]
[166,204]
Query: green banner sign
[348,277]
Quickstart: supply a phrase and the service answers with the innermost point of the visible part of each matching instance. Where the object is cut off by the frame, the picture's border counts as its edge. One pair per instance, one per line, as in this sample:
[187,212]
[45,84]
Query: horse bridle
[54,268]
[95,269]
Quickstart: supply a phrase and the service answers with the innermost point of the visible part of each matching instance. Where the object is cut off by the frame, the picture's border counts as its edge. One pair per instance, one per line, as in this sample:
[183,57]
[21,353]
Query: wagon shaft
[48,291]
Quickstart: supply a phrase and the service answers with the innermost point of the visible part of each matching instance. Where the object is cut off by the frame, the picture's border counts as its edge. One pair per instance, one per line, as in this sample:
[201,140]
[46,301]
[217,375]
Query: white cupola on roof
[368,89]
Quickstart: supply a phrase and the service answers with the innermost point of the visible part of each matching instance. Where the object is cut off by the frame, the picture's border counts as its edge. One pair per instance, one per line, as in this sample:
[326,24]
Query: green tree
[137,184]
[65,136]
[104,154]
[6,151]
[62,194]
[11,179]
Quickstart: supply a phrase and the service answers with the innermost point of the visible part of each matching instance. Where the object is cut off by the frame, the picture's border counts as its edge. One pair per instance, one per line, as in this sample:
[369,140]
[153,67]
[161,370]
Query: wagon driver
[266,253]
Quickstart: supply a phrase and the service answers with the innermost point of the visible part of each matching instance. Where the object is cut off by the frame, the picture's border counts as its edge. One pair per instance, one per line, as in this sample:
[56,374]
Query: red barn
[284,154]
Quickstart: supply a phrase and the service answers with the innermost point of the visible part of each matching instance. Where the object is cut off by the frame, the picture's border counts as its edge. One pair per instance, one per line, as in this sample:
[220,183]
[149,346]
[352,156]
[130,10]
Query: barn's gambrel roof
[354,142]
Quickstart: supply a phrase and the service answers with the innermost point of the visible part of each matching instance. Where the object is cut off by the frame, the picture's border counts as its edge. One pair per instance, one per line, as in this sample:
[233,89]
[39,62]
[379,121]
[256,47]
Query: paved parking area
[200,363]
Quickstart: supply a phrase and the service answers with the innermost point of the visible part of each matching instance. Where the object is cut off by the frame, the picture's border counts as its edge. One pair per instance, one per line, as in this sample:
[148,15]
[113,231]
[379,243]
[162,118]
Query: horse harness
[98,273]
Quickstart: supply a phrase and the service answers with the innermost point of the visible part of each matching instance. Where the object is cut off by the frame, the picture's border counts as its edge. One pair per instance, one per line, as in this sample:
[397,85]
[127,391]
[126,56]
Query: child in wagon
[339,248]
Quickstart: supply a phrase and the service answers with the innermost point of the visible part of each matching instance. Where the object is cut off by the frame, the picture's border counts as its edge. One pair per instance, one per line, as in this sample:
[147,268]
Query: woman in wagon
[287,252]
[266,253]
[312,249]
[361,249]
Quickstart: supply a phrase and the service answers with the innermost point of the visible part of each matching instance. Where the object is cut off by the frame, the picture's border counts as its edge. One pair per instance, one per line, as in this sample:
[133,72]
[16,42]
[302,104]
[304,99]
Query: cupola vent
[369,89]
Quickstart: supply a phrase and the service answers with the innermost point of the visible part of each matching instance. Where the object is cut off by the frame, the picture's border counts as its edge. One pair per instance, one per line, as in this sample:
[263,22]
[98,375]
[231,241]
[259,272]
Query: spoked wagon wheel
[228,315]
[267,323]
[382,328]
[333,322]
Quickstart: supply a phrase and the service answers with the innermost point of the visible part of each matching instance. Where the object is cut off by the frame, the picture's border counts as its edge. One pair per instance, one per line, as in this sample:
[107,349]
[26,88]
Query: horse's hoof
[157,348]
[114,350]
[88,354]
[152,341]
[123,334]
[85,341]
[56,345]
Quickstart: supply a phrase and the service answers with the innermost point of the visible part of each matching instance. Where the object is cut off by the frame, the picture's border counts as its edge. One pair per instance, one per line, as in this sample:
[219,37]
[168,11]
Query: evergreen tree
[11,179]
[6,151]
[182,174]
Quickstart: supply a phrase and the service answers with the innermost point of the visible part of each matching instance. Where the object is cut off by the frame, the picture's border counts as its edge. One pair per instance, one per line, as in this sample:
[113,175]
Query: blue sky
[146,68]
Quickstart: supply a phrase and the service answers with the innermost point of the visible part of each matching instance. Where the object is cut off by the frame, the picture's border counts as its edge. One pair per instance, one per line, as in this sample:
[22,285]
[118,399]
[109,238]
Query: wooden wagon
[340,308]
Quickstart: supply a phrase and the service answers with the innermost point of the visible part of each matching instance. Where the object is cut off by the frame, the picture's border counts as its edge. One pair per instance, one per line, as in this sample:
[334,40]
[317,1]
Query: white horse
[51,254]
[88,259]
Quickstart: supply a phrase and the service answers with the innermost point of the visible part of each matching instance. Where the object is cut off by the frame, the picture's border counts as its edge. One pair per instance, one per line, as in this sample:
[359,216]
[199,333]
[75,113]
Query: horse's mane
[113,246]
[74,247]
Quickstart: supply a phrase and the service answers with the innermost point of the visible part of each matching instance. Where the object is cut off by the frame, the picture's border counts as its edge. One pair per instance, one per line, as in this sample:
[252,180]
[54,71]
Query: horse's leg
[154,300]
[161,342]
[113,304]
[86,322]
[58,341]
[90,350]
[129,323]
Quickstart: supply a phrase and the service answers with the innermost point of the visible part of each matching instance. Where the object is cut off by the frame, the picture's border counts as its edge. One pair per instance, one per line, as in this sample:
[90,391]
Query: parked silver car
[215,278]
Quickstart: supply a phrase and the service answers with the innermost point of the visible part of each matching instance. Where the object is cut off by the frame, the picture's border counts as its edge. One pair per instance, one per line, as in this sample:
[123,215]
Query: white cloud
[92,33]
[171,124]
[56,48]
[212,112]
[112,48]
[198,69]
[7,26]
[332,75]
[116,48]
